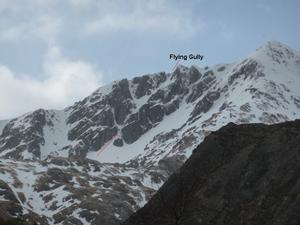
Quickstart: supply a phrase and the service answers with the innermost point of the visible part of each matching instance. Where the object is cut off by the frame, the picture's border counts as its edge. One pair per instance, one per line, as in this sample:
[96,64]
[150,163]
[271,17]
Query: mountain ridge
[134,96]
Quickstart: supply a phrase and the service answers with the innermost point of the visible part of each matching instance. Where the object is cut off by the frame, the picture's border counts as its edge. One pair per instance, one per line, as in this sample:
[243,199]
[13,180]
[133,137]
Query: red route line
[106,145]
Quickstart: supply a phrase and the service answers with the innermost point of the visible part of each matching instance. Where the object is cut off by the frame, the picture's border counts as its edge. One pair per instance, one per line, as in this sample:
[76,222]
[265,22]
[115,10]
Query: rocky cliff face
[135,113]
[241,174]
[148,126]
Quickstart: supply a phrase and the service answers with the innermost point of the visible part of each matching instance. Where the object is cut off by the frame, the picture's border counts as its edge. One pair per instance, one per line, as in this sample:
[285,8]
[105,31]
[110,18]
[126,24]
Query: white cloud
[64,82]
[29,19]
[142,16]
[140,22]
[48,18]
[43,27]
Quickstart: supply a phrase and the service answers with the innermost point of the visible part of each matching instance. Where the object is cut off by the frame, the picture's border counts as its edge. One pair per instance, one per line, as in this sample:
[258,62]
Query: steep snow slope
[55,135]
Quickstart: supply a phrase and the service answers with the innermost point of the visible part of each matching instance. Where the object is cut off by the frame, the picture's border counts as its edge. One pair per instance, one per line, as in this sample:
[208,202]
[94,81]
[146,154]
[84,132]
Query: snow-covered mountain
[140,130]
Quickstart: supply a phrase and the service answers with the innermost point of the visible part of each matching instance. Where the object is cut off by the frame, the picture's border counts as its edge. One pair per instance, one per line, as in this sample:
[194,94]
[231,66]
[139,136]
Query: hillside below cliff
[241,174]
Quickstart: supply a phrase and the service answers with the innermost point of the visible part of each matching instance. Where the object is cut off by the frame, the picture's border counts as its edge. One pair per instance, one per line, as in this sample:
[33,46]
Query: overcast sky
[54,52]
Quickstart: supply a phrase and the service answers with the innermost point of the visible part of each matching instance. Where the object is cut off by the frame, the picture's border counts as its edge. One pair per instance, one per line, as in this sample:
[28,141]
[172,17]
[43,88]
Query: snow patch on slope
[55,135]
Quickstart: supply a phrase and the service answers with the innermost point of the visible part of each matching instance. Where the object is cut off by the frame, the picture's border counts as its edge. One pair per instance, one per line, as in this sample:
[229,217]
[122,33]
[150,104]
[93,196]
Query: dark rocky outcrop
[14,135]
[144,84]
[105,118]
[207,80]
[156,114]
[241,174]
[102,137]
[146,118]
[194,74]
[205,104]
[118,142]
[248,69]
[172,107]
[176,88]
[221,68]
[158,95]
[132,132]
[119,100]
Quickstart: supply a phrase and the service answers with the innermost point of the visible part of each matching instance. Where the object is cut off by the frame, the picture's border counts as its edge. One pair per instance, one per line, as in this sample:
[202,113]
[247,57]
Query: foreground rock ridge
[102,158]
[241,174]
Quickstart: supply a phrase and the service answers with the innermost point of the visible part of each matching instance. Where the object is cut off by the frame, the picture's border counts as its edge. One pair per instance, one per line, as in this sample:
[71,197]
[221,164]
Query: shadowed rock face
[14,137]
[205,104]
[241,174]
